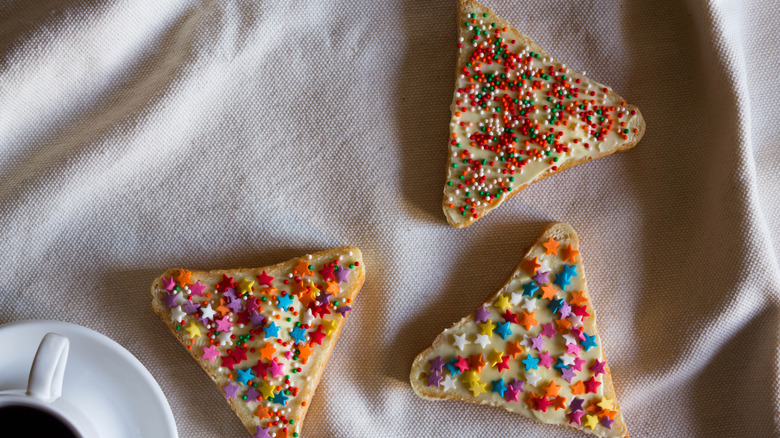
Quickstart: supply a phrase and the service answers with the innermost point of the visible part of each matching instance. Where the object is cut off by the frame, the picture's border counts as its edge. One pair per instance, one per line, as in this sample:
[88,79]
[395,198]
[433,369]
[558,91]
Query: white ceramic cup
[44,387]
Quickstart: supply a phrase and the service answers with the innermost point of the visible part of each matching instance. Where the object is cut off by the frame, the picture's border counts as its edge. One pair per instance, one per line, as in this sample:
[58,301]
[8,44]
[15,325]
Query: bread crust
[319,361]
[458,221]
[557,230]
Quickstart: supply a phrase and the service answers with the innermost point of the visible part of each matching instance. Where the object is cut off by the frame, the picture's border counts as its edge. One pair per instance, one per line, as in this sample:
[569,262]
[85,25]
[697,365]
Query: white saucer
[102,379]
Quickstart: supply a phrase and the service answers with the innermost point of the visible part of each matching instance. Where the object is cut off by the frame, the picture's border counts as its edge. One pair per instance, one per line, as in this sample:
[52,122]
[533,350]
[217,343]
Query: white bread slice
[503,352]
[487,163]
[304,280]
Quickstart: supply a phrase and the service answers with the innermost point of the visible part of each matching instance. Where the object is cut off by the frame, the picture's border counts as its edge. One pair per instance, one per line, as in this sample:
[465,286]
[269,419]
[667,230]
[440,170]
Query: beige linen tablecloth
[136,136]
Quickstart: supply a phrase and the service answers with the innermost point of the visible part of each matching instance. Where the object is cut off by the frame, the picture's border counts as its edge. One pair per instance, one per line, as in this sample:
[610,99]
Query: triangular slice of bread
[518,116]
[263,335]
[533,348]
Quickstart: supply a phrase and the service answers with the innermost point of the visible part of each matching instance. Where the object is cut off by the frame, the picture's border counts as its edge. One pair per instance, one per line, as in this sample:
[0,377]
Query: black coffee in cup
[26,421]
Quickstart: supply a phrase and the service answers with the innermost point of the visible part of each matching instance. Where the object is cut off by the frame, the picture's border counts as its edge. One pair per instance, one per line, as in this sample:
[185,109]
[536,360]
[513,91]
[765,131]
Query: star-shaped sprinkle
[168,283]
[575,417]
[578,298]
[537,342]
[302,268]
[184,278]
[207,313]
[251,394]
[209,353]
[569,271]
[532,378]
[476,362]
[481,315]
[328,326]
[224,338]
[551,246]
[343,310]
[564,310]
[591,421]
[517,385]
[280,398]
[529,289]
[317,336]
[224,323]
[607,422]
[498,387]
[532,265]
[551,390]
[513,348]
[494,357]
[177,314]
[529,304]
[324,298]
[229,294]
[541,277]
[503,364]
[527,320]
[245,286]
[197,289]
[569,254]
[451,367]
[598,367]
[511,395]
[264,279]
[461,364]
[227,283]
[578,363]
[477,388]
[562,281]
[434,379]
[589,341]
[236,305]
[503,329]
[591,385]
[436,364]
[605,403]
[251,304]
[568,374]
[448,383]
[256,319]
[502,302]
[266,389]
[460,341]
[576,404]
[276,369]
[530,362]
[284,302]
[193,330]
[304,351]
[170,299]
[326,272]
[298,334]
[230,390]
[548,330]
[271,331]
[516,298]
[542,404]
[482,340]
[555,304]
[572,349]
[545,359]
[548,292]
[342,275]
[567,359]
[244,376]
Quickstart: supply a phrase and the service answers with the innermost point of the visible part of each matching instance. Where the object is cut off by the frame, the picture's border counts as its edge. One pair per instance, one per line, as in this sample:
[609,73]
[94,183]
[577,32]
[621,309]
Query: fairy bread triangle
[263,335]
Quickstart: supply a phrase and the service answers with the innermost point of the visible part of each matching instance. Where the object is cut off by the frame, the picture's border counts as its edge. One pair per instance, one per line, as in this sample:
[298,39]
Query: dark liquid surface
[24,421]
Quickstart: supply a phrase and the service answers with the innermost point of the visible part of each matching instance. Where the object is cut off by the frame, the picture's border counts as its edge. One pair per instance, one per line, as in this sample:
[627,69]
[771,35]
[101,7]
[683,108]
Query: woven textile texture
[136,136]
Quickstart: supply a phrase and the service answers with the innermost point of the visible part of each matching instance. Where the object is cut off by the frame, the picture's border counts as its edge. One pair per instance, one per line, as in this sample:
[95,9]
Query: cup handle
[48,368]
